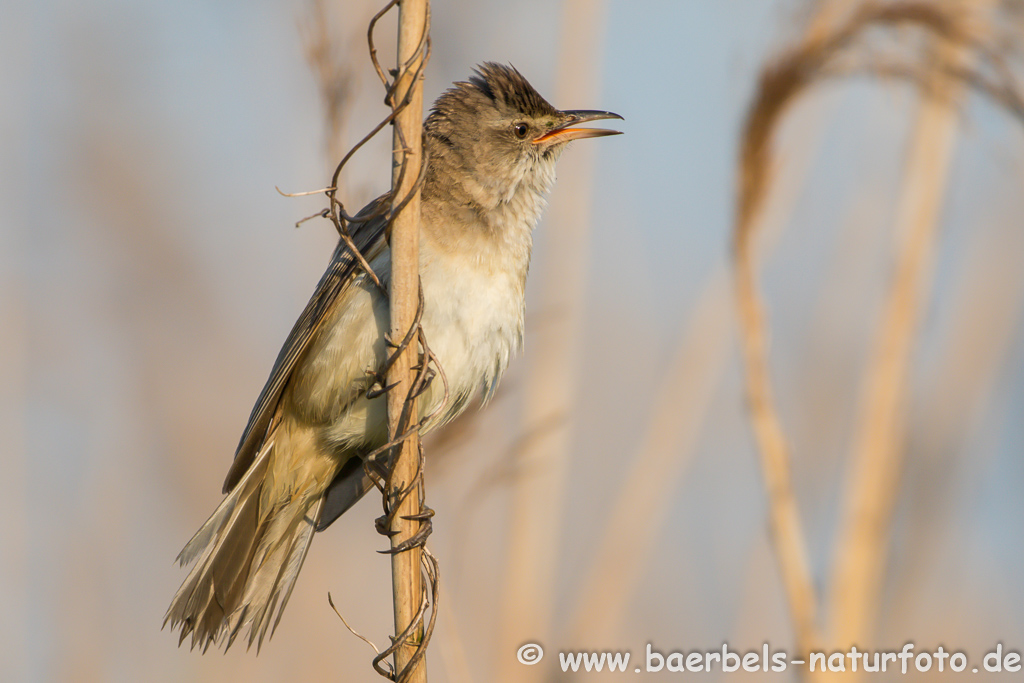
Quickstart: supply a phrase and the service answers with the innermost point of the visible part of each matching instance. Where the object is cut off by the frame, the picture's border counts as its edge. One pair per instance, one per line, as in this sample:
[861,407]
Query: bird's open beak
[564,133]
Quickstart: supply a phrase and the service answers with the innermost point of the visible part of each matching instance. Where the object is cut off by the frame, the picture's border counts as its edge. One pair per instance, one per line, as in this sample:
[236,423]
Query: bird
[490,144]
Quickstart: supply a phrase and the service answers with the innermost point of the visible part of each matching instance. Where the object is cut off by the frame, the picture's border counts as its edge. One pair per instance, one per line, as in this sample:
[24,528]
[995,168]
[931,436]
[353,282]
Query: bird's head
[498,129]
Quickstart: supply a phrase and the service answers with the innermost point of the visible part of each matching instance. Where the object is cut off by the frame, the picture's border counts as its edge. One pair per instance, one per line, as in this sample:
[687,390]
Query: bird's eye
[521,130]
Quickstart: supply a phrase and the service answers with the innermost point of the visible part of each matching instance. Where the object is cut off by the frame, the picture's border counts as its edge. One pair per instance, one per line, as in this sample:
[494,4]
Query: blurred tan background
[612,494]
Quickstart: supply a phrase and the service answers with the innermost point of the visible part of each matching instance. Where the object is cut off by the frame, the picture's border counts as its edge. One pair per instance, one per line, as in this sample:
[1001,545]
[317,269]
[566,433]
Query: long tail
[249,555]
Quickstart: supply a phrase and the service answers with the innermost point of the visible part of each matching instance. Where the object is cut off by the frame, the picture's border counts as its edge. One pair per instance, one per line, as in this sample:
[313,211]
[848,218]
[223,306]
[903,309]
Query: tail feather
[296,558]
[202,542]
[247,557]
[275,566]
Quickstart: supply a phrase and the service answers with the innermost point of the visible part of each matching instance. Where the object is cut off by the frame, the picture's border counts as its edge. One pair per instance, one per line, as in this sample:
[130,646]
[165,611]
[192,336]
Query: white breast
[473,322]
[473,281]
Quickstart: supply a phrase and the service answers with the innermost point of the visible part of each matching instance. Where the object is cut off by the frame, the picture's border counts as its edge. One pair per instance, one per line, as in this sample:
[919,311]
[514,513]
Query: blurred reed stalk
[872,489]
[979,344]
[878,450]
[779,85]
[678,413]
[636,517]
[15,520]
[679,410]
[329,55]
[538,492]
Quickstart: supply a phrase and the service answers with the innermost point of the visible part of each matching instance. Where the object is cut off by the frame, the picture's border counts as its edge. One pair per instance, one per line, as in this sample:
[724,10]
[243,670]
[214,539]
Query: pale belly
[473,323]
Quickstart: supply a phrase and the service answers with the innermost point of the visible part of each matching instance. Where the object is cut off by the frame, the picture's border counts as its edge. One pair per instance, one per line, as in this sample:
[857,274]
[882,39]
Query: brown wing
[338,276]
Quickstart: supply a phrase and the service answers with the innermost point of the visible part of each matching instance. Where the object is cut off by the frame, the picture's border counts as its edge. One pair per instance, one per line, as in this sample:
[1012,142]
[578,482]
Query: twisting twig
[357,634]
[302,194]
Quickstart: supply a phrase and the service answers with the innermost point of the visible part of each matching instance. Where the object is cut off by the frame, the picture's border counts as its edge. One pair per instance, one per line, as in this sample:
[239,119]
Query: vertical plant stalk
[778,87]
[537,494]
[877,452]
[329,55]
[407,580]
[15,520]
[785,527]
[815,58]
[677,415]
[636,516]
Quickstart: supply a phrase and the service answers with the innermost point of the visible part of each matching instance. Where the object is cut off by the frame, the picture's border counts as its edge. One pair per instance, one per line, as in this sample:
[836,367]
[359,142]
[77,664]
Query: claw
[374,393]
[423,516]
[381,524]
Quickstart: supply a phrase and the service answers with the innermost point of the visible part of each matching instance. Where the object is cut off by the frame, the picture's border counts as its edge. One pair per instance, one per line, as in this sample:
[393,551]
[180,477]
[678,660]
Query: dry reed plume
[955,46]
